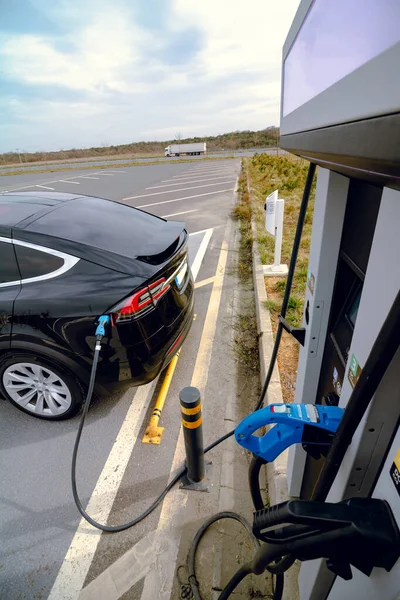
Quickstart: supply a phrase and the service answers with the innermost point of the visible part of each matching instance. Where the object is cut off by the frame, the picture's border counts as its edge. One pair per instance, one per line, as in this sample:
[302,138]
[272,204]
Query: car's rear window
[16,207]
[11,214]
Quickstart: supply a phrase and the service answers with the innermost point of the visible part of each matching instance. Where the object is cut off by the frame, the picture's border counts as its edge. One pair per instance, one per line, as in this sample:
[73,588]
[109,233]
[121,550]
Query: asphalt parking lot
[47,551]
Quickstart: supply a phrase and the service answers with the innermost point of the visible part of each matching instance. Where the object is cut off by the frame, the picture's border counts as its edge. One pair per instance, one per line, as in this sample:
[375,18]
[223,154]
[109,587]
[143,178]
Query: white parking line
[108,174]
[127,570]
[68,181]
[115,171]
[87,177]
[185,212]
[14,188]
[195,187]
[184,180]
[186,198]
[201,174]
[154,187]
[188,179]
[44,187]
[201,252]
[192,233]
[209,167]
[77,561]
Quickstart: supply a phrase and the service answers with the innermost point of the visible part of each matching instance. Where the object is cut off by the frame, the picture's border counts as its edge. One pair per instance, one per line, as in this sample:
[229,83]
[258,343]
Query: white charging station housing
[340,109]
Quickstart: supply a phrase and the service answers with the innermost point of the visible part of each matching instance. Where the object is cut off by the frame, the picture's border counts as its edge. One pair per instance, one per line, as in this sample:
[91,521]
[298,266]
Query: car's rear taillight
[175,344]
[158,288]
[142,301]
[136,303]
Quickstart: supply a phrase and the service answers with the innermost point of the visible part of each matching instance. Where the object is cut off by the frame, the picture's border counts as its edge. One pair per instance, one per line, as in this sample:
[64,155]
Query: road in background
[38,519]
[92,163]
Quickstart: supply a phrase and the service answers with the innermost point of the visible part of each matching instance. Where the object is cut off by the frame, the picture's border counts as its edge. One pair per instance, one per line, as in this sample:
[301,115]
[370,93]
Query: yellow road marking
[203,282]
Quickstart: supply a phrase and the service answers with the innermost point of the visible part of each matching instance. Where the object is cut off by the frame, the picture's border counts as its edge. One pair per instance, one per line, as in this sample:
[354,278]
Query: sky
[82,73]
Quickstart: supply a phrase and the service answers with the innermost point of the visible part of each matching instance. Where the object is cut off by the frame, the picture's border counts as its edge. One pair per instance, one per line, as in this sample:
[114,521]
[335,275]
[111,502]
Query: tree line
[235,140]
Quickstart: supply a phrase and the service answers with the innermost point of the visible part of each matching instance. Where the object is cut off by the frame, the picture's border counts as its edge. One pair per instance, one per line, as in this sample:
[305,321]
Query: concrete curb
[276,470]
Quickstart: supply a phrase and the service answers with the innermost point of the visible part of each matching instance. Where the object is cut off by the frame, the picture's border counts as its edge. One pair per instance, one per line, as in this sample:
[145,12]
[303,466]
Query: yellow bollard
[153,433]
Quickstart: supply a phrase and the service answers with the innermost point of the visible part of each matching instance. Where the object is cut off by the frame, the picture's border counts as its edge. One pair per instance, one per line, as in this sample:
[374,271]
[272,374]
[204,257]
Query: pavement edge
[276,470]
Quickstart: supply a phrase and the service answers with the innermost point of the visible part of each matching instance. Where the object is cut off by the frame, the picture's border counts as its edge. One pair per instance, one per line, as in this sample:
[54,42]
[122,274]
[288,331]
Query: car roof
[15,207]
[105,225]
[101,231]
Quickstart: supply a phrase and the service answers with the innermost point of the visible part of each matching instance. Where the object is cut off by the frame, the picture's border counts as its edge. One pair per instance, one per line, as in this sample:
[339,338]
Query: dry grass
[246,340]
[287,174]
[245,323]
[242,213]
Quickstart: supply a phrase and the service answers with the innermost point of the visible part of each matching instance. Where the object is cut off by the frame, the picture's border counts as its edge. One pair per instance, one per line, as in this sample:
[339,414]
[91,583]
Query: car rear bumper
[121,374]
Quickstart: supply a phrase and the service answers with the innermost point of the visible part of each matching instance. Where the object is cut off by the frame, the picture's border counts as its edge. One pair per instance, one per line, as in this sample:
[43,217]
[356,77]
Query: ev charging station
[340,109]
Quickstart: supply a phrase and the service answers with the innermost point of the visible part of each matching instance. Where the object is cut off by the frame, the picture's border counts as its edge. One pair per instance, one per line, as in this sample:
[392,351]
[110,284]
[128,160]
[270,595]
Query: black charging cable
[279,567]
[243,571]
[153,506]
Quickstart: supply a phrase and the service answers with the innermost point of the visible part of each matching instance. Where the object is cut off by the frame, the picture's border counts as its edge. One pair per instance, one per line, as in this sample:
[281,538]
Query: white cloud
[240,35]
[102,52]
[124,88]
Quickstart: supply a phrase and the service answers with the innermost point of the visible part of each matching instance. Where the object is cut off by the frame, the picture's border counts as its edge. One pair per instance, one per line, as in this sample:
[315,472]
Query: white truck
[189,149]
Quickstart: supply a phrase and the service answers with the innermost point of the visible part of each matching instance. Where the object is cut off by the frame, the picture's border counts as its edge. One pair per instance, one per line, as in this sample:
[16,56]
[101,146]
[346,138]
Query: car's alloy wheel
[40,387]
[37,389]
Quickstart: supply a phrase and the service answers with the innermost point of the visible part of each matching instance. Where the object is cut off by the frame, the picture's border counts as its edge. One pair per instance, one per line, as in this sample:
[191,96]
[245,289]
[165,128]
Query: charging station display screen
[336,38]
[353,310]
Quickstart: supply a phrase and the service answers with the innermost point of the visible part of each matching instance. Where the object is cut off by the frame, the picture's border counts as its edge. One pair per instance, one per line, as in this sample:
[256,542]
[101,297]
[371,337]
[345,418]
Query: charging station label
[395,471]
[354,371]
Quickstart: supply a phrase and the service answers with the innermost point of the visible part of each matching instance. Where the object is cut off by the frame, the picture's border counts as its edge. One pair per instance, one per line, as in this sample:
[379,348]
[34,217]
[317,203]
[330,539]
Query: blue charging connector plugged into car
[102,323]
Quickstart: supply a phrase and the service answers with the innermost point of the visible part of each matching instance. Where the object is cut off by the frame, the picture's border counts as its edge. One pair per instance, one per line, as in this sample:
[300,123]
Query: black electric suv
[64,261]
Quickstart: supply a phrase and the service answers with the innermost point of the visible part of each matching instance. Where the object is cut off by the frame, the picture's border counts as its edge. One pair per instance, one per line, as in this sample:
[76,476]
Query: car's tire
[43,389]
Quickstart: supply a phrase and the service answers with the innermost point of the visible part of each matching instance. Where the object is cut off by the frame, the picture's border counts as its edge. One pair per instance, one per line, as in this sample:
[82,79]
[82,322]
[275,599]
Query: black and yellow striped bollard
[193,434]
